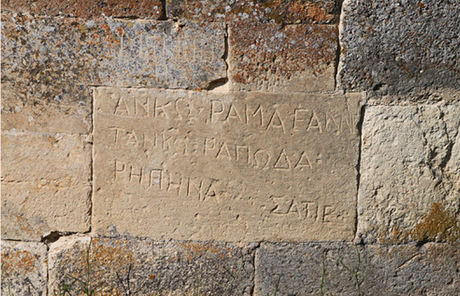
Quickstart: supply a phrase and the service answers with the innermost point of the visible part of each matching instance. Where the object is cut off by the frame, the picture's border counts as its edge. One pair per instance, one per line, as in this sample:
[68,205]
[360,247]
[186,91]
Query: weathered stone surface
[45,184]
[47,64]
[143,267]
[294,58]
[88,8]
[24,269]
[400,46]
[226,167]
[410,174]
[267,11]
[384,270]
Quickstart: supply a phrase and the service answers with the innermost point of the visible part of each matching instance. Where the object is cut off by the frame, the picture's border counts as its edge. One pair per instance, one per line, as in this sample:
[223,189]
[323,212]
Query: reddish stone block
[279,11]
[88,8]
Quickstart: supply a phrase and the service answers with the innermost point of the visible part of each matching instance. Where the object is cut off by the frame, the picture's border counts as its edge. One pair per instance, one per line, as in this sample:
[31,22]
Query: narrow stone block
[48,64]
[45,184]
[400,46]
[226,167]
[129,266]
[267,11]
[88,8]
[24,268]
[274,58]
[410,174]
[330,269]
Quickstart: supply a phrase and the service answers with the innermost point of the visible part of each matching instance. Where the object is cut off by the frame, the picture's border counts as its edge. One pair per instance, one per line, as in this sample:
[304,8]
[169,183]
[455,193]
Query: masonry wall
[244,147]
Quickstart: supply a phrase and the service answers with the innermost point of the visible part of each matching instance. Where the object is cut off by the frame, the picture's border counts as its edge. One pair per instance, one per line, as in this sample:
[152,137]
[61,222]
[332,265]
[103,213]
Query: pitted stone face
[207,166]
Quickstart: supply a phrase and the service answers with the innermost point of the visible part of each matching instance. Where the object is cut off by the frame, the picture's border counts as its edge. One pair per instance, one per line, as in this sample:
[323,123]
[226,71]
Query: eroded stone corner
[24,268]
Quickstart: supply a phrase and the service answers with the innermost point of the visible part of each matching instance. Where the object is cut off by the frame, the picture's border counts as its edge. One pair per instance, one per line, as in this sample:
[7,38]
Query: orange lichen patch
[88,8]
[260,51]
[196,250]
[279,11]
[438,225]
[18,262]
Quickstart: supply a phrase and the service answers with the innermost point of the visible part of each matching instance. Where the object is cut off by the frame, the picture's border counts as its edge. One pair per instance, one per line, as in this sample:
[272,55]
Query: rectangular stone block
[45,184]
[410,174]
[128,266]
[275,58]
[400,46]
[88,8]
[226,167]
[24,268]
[327,269]
[47,64]
[267,11]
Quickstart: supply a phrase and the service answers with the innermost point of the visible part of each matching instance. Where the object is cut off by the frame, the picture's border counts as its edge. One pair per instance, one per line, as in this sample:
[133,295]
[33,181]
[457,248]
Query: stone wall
[230,147]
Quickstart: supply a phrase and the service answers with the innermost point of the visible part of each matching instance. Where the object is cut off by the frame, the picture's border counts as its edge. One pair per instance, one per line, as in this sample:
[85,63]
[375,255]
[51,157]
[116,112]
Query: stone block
[88,8]
[322,269]
[267,11]
[274,58]
[129,266]
[400,46]
[227,167]
[410,177]
[48,64]
[24,268]
[45,184]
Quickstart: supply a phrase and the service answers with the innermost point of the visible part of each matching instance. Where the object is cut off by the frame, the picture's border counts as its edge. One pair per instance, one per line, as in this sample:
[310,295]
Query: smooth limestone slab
[45,184]
[410,174]
[24,268]
[226,167]
[130,266]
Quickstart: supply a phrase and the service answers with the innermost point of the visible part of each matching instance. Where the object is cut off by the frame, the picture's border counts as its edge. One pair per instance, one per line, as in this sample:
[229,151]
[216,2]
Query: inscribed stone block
[400,46]
[410,174]
[321,269]
[45,184]
[24,268]
[226,167]
[132,266]
[48,63]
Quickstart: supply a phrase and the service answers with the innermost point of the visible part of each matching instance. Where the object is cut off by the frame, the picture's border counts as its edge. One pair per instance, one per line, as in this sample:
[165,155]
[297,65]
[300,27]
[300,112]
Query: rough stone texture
[47,64]
[400,46]
[88,8]
[293,58]
[410,174]
[266,11]
[152,268]
[24,269]
[225,167]
[432,269]
[45,184]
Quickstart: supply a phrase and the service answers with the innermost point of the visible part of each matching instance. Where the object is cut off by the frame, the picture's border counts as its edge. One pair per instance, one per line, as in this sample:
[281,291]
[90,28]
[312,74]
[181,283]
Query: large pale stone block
[226,167]
[410,174]
[400,46]
[321,269]
[48,63]
[129,266]
[24,268]
[45,184]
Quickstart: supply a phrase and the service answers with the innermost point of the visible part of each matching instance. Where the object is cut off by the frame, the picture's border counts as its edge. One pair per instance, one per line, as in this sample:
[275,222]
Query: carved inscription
[235,166]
